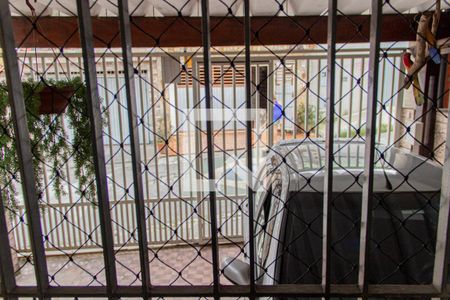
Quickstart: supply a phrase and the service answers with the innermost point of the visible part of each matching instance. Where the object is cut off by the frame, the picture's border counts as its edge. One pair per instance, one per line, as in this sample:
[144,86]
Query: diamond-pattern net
[406,205]
[288,86]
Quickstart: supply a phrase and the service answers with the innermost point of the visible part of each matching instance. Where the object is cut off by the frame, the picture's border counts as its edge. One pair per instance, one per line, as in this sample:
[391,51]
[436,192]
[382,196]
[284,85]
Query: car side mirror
[236,271]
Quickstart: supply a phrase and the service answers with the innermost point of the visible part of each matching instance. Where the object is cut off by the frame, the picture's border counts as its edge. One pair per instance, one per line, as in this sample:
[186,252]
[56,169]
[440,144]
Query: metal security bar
[145,184]
[24,150]
[94,111]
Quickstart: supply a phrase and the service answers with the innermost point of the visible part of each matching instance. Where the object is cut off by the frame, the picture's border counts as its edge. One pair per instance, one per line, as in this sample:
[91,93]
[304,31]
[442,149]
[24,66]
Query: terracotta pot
[54,100]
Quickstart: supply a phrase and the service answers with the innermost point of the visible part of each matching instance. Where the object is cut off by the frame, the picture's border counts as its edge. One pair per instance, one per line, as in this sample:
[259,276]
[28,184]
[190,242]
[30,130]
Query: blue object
[277,111]
[435,56]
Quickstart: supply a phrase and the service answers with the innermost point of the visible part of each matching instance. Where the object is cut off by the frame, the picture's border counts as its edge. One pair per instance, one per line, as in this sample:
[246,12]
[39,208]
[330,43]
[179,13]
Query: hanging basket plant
[45,106]
[54,100]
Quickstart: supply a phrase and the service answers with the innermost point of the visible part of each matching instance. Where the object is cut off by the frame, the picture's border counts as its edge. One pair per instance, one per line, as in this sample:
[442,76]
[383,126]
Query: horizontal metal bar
[304,290]
[394,290]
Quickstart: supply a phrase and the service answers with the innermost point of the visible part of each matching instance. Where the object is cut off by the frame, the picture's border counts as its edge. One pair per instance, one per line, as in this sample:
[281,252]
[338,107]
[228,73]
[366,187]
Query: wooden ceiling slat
[186,32]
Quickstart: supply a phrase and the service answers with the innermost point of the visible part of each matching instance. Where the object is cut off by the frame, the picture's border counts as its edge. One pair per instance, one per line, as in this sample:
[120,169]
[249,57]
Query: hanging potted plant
[54,99]
[51,145]
[81,145]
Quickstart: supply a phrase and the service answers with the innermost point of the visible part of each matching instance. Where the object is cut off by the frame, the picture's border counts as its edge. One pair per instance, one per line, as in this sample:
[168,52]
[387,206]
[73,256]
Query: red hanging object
[408,63]
[54,100]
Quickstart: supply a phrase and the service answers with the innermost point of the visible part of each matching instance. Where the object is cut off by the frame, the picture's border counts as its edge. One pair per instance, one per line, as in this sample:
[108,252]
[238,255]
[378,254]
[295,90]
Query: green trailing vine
[77,114]
[50,142]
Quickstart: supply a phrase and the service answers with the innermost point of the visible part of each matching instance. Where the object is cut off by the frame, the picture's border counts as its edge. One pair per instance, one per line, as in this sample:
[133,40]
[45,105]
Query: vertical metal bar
[248,99]
[177,135]
[308,91]
[367,193]
[431,91]
[440,272]
[296,96]
[196,70]
[235,143]
[209,141]
[316,123]
[236,194]
[86,36]
[78,217]
[283,102]
[23,242]
[391,103]
[117,100]
[117,210]
[224,147]
[110,140]
[42,70]
[130,90]
[167,131]
[350,102]
[189,154]
[153,106]
[341,87]
[23,144]
[258,80]
[329,140]
[271,102]
[178,154]
[441,83]
[8,277]
[380,119]
[144,139]
[56,70]
[361,94]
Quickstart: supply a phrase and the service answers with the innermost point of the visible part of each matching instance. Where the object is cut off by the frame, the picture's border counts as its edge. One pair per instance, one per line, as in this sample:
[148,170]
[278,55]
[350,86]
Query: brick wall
[407,117]
[440,134]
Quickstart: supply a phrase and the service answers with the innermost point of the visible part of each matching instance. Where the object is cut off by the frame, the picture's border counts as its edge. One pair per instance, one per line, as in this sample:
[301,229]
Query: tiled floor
[176,265]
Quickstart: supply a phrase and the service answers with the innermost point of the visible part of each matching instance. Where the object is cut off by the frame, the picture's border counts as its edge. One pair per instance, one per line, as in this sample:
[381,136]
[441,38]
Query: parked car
[288,216]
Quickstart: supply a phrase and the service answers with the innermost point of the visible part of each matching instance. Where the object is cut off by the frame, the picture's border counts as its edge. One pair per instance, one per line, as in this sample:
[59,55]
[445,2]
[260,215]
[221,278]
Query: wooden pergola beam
[186,32]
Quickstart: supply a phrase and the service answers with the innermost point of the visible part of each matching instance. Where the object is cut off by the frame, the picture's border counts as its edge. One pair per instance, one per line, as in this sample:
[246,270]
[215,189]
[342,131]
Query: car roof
[303,161]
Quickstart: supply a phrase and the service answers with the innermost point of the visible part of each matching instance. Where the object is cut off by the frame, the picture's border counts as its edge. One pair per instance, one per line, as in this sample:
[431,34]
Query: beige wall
[12,244]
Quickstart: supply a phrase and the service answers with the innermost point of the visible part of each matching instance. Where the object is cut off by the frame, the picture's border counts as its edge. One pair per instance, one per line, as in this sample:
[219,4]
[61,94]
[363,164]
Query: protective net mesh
[284,133]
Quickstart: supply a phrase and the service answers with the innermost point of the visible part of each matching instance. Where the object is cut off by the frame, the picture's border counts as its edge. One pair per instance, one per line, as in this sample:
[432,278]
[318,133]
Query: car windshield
[403,235]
